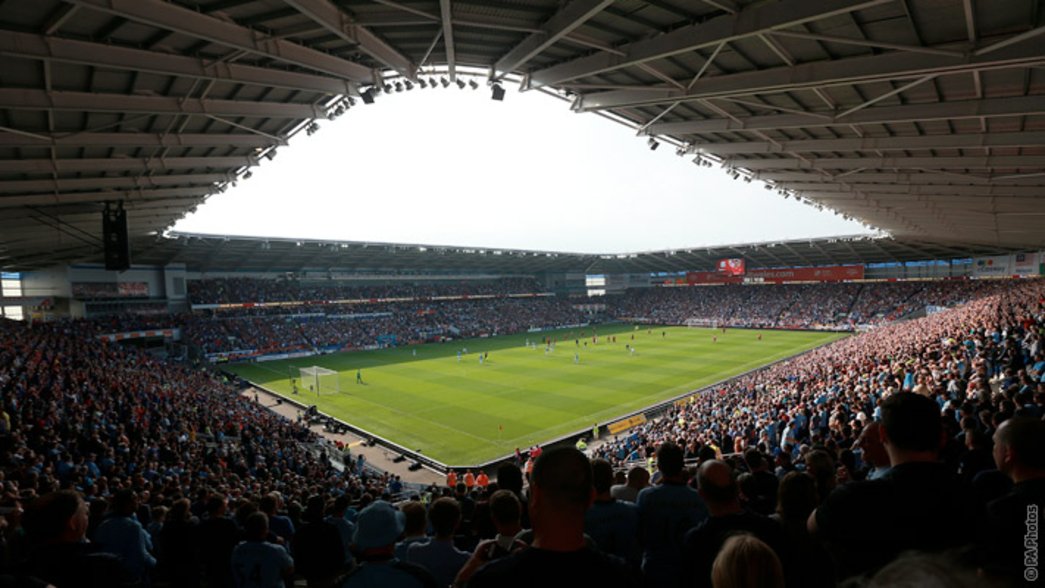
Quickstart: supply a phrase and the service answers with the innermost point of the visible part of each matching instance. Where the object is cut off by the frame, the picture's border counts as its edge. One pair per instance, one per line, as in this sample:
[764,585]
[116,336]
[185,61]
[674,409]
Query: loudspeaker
[114,235]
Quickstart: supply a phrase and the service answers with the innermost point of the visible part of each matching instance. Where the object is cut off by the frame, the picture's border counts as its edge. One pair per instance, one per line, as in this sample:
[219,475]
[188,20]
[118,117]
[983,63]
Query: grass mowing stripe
[424,397]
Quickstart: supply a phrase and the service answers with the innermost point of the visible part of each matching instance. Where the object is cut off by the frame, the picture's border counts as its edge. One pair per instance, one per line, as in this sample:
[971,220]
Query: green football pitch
[463,412]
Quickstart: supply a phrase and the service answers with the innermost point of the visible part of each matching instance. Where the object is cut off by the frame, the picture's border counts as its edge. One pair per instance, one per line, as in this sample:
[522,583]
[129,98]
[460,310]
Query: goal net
[318,380]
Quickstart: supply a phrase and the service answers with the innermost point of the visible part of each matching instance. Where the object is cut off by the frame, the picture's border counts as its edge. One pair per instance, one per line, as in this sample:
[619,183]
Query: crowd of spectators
[377,324]
[257,290]
[166,462]
[797,306]
[922,437]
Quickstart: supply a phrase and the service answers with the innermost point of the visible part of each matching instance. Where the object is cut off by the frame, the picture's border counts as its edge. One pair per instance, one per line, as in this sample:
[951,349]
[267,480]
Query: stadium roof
[925,118]
[209,253]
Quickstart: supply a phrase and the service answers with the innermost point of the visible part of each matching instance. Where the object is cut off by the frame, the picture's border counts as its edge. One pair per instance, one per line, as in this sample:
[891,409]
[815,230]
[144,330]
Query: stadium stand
[921,434]
[115,425]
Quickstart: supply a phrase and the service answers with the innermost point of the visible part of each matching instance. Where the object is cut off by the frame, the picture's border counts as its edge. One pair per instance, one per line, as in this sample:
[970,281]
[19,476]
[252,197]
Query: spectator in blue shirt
[121,534]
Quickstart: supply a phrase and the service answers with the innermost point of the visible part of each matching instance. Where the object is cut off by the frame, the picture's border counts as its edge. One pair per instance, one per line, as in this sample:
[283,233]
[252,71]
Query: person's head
[416,518]
[217,505]
[1018,448]
[746,562]
[911,428]
[670,460]
[562,487]
[58,517]
[602,476]
[797,497]
[445,515]
[754,459]
[315,508]
[268,504]
[125,502]
[716,484]
[506,512]
[256,527]
[378,527]
[870,443]
[638,477]
[510,477]
[923,570]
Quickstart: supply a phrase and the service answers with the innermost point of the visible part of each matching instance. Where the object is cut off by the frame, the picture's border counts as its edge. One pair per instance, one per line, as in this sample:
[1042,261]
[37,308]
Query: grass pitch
[463,412]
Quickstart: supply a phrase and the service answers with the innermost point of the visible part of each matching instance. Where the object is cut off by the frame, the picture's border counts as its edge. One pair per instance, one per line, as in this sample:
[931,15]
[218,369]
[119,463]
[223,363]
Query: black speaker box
[117,244]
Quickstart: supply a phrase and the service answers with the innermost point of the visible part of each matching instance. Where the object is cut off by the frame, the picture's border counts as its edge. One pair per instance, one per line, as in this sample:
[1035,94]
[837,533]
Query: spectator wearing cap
[378,527]
[438,555]
[921,504]
[559,556]
[256,563]
[122,535]
[1019,452]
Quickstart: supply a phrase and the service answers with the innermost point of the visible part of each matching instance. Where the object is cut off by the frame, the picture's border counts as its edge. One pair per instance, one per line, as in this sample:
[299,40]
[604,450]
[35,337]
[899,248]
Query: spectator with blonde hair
[746,562]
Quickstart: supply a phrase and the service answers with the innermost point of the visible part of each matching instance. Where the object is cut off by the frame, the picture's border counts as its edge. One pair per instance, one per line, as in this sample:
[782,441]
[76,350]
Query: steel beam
[968,162]
[31,99]
[446,13]
[117,164]
[985,108]
[172,17]
[807,76]
[333,19]
[896,178]
[757,19]
[74,184]
[243,140]
[162,194]
[31,46]
[918,190]
[906,143]
[558,26]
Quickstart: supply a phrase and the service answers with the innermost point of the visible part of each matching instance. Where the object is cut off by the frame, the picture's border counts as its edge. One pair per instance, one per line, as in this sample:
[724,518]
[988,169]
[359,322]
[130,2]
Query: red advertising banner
[834,273]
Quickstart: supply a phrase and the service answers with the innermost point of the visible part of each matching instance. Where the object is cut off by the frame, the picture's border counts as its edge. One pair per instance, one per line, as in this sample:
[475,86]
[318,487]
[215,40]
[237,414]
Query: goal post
[319,380]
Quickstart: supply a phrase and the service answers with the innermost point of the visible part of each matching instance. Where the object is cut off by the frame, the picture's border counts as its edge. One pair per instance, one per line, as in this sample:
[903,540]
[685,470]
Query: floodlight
[408,84]
[474,85]
[368,96]
[399,86]
[444,82]
[421,82]
[270,155]
[248,175]
[498,92]
[460,83]
[653,144]
[432,83]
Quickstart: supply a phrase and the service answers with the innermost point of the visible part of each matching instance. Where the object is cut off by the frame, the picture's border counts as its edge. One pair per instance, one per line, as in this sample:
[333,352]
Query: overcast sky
[453,167]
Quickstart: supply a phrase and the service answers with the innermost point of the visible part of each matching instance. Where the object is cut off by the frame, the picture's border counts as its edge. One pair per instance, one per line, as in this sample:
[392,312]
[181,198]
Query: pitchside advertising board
[835,273]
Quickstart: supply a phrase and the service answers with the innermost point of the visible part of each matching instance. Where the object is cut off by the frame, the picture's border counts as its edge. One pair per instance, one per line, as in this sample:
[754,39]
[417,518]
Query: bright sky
[453,167]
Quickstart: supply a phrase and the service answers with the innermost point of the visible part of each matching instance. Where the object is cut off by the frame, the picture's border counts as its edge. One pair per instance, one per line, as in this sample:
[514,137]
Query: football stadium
[204,409]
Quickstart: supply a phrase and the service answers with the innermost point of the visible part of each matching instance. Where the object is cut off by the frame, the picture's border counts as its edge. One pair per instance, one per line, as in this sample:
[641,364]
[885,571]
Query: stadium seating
[96,418]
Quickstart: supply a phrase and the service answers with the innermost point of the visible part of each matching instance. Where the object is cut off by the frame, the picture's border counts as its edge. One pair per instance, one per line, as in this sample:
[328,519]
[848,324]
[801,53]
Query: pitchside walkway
[378,457]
